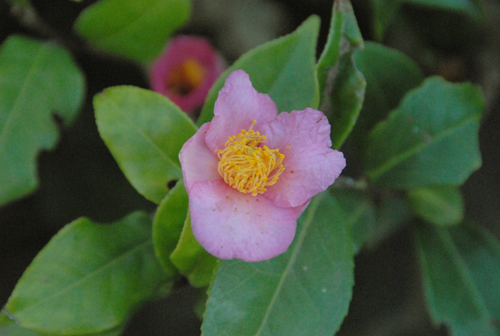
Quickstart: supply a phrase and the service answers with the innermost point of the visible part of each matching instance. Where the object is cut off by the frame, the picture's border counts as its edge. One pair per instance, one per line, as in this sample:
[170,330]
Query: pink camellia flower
[186,71]
[251,172]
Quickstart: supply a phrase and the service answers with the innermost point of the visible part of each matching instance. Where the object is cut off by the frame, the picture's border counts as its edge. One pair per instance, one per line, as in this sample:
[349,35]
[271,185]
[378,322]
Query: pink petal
[237,105]
[230,224]
[178,51]
[301,208]
[197,161]
[310,164]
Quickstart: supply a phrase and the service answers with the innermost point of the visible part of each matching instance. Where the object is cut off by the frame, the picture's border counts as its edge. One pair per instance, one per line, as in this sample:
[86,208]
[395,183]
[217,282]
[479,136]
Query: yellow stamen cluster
[247,167]
[186,77]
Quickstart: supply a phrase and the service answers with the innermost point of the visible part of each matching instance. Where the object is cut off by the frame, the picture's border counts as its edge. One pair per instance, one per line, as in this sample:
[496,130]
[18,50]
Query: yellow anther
[246,166]
[186,77]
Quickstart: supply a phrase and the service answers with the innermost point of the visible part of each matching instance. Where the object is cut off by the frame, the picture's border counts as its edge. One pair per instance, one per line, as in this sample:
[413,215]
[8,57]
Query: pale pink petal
[230,224]
[310,164]
[197,161]
[178,51]
[237,105]
[300,209]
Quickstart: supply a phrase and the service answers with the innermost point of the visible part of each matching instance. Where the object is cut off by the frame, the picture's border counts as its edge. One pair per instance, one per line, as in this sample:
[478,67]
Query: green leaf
[9,327]
[145,132]
[342,85]
[468,7]
[389,75]
[383,14]
[136,29]
[457,290]
[36,80]
[89,278]
[360,215]
[392,213]
[305,291]
[191,258]
[283,68]
[439,205]
[430,139]
[481,254]
[168,224]
[384,11]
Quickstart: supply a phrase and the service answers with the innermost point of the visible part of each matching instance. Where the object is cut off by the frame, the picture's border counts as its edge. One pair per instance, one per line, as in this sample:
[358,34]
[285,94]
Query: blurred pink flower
[186,71]
[251,172]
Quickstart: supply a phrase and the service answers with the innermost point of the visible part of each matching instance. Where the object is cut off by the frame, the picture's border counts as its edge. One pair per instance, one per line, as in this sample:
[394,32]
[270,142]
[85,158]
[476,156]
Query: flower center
[186,77]
[247,167]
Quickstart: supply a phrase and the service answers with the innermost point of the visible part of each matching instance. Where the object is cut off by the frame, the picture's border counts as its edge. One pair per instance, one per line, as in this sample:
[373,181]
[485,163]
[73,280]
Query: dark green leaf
[22,3]
[191,258]
[305,291]
[283,68]
[168,223]
[145,132]
[392,212]
[453,295]
[481,254]
[89,278]
[383,13]
[439,205]
[136,29]
[389,75]
[341,84]
[201,303]
[468,7]
[37,80]
[360,215]
[431,139]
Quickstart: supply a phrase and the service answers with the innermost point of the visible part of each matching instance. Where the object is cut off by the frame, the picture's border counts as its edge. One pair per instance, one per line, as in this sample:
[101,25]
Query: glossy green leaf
[360,215]
[341,84]
[457,290]
[430,139]
[283,68]
[439,205]
[145,132]
[389,75]
[191,258]
[9,327]
[136,29]
[89,278]
[36,80]
[168,224]
[305,291]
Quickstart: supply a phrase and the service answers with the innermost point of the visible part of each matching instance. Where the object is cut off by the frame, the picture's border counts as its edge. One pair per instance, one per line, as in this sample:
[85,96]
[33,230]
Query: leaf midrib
[95,272]
[302,235]
[465,275]
[415,149]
